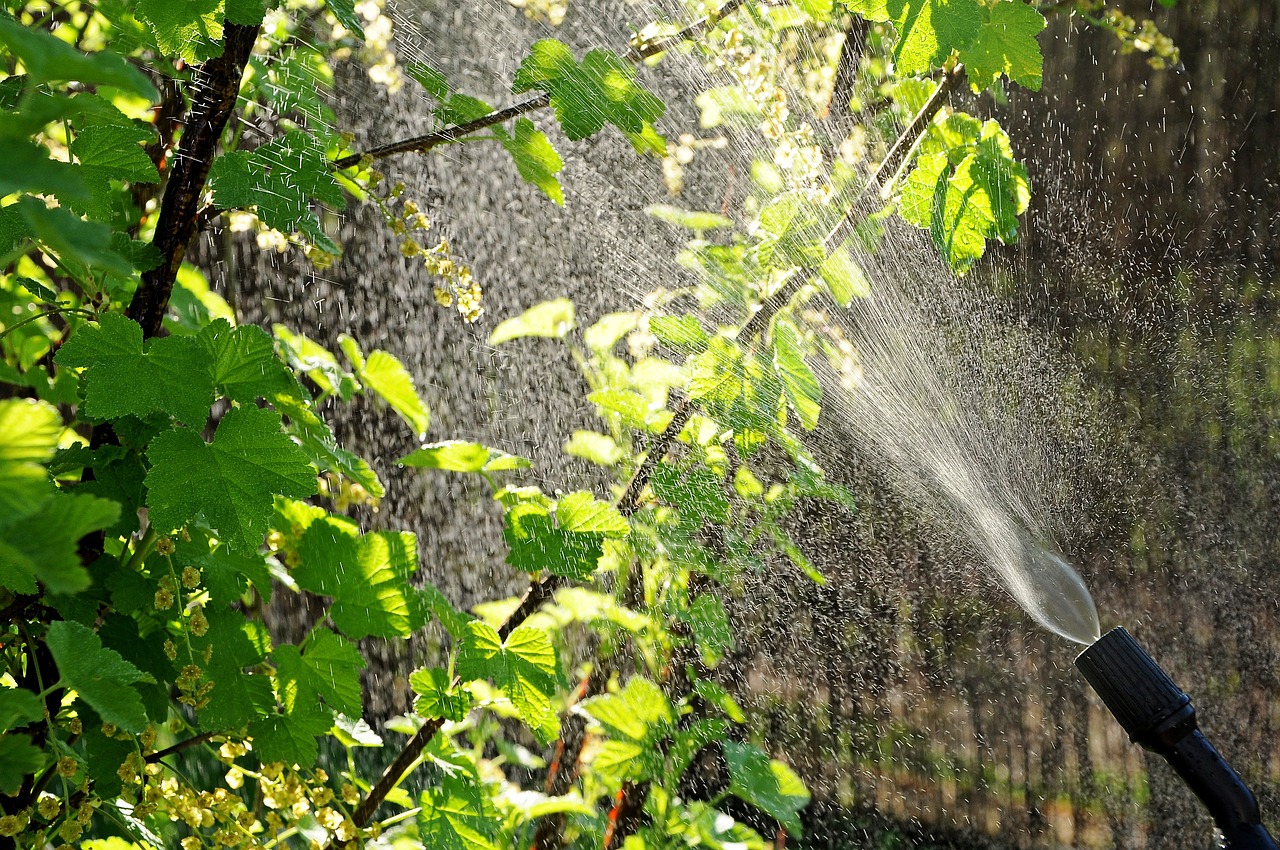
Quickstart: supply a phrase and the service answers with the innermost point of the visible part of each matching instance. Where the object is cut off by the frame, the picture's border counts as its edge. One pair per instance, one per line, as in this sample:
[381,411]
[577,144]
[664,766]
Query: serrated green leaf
[385,375]
[77,242]
[766,783]
[633,409]
[18,760]
[191,29]
[354,732]
[799,384]
[280,179]
[453,816]
[583,513]
[366,574]
[114,150]
[230,482]
[586,96]
[238,696]
[1006,45]
[537,545]
[524,667]
[247,13]
[48,59]
[27,167]
[437,696]
[245,366]
[100,676]
[435,82]
[639,712]
[552,319]
[597,448]
[290,739]
[42,545]
[927,30]
[684,332]
[325,671]
[170,375]
[316,362]
[697,494]
[18,707]
[536,159]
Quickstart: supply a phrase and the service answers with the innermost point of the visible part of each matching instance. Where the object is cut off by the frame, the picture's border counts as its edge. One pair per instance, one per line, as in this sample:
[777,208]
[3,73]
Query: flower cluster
[551,11]
[455,285]
[1134,37]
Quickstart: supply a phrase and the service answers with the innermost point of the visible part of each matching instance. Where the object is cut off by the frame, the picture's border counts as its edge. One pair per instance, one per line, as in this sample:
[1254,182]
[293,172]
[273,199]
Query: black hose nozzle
[1159,716]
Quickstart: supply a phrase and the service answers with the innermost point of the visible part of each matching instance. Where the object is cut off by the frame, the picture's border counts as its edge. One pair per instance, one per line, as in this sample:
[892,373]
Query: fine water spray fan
[1159,716]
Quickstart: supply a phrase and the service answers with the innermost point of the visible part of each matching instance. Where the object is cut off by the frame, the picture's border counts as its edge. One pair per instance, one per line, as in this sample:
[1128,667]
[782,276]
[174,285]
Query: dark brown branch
[538,593]
[180,746]
[644,49]
[215,88]
[422,144]
[396,771]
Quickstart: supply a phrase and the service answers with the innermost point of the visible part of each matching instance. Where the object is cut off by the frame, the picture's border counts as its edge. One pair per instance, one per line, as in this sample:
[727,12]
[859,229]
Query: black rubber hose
[1159,716]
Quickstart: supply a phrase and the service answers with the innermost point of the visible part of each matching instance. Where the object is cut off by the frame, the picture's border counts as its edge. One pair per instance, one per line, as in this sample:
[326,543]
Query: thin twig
[180,746]
[644,49]
[425,143]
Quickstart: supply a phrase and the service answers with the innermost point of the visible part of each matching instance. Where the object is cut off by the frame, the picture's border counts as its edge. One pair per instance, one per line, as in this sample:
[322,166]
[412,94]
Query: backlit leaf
[551,319]
[100,676]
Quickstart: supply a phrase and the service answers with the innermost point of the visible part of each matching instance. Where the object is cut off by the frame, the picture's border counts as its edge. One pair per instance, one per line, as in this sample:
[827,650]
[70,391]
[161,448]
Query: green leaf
[694,220]
[460,456]
[317,442]
[245,365]
[927,30]
[247,13]
[453,816]
[1007,44]
[524,667]
[100,676]
[280,180]
[586,96]
[18,707]
[345,12]
[697,494]
[436,695]
[366,574]
[633,409]
[290,739]
[42,545]
[844,277]
[387,377]
[799,384]
[597,448]
[18,760]
[27,167]
[551,319]
[634,719]
[683,332]
[77,242]
[316,362]
[191,29]
[238,697]
[766,783]
[231,481]
[536,159]
[602,336]
[114,151]
[712,633]
[29,432]
[48,59]
[325,671]
[171,375]
[354,733]
[581,512]
[966,188]
[536,544]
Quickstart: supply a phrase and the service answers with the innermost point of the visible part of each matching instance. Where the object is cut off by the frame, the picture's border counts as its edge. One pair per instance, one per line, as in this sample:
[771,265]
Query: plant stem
[180,746]
[645,49]
[46,314]
[425,143]
[395,771]
[215,87]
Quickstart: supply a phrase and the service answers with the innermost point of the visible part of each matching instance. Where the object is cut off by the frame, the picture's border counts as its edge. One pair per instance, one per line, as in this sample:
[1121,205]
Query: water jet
[1159,716]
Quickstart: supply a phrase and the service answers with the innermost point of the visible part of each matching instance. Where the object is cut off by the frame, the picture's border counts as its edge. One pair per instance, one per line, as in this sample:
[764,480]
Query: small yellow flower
[190,578]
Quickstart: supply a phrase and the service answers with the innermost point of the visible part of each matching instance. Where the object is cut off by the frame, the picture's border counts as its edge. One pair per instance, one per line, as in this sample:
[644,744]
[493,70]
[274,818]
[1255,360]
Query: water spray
[1159,716]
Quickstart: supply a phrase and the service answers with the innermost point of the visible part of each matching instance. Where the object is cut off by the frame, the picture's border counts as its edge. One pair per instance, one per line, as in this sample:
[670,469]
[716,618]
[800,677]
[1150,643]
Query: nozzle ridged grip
[1138,692]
